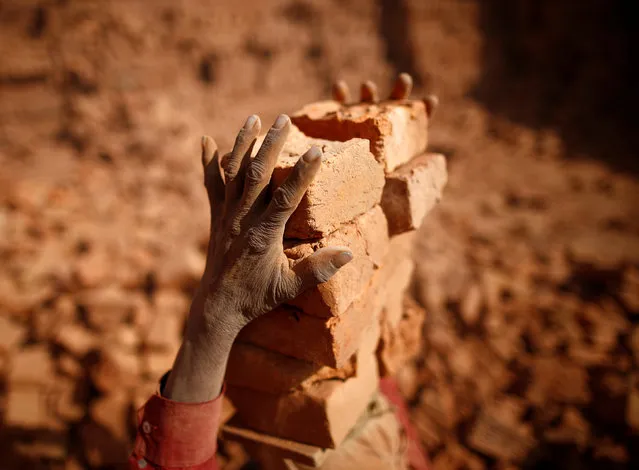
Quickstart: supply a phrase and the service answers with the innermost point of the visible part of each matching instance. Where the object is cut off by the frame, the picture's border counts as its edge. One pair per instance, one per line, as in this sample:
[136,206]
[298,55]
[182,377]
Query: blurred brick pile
[528,268]
[528,352]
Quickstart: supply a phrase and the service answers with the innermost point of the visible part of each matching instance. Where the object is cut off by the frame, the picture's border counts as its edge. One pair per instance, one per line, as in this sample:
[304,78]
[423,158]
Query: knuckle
[256,239]
[269,140]
[229,174]
[235,228]
[320,273]
[283,198]
[287,289]
[254,173]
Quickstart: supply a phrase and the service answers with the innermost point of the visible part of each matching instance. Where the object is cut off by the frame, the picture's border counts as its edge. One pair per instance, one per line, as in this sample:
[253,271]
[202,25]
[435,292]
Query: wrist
[199,368]
[213,318]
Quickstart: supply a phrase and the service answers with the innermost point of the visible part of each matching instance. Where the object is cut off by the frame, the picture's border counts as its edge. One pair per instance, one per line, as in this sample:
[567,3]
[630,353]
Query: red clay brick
[396,131]
[367,237]
[321,414]
[329,342]
[257,368]
[348,184]
[412,191]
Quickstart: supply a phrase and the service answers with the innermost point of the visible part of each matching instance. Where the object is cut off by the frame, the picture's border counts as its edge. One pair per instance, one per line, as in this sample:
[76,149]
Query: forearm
[198,371]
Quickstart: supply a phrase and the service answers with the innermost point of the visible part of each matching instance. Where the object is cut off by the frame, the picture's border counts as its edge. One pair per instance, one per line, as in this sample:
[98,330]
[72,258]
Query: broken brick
[470,306]
[11,334]
[257,368]
[180,267]
[26,407]
[164,333]
[456,457]
[396,131]
[107,308]
[630,289]
[31,365]
[156,363]
[439,405]
[500,438]
[558,380]
[112,370]
[367,238]
[412,190]
[607,449]
[321,414]
[348,184]
[632,403]
[69,366]
[76,339]
[63,402]
[171,302]
[264,370]
[115,413]
[573,429]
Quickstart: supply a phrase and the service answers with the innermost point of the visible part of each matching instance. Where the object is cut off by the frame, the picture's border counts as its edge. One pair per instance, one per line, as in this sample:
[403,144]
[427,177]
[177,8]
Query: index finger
[287,197]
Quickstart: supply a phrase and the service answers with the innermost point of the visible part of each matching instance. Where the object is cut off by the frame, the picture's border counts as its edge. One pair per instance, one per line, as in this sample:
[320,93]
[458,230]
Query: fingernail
[280,122]
[313,154]
[342,258]
[250,122]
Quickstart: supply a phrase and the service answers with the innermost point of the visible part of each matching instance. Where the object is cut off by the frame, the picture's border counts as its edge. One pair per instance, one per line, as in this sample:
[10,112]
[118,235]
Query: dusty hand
[369,93]
[247,273]
[246,270]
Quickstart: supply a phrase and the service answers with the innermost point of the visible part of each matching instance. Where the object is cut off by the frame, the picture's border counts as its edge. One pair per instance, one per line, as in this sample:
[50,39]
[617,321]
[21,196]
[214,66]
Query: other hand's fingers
[369,93]
[287,197]
[341,92]
[213,179]
[320,267]
[260,168]
[402,88]
[431,102]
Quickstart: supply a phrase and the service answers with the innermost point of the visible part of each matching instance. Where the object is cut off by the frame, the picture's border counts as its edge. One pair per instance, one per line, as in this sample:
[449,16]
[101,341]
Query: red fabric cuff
[173,434]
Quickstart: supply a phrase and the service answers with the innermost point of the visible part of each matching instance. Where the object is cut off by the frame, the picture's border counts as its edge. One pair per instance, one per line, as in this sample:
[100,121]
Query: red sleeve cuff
[173,434]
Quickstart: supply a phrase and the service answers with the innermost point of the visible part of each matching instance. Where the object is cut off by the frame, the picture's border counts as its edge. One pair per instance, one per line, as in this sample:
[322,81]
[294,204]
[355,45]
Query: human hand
[247,270]
[247,273]
[370,94]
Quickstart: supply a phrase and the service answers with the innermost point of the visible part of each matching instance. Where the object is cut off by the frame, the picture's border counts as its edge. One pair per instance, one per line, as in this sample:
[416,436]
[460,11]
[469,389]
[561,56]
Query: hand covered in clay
[370,94]
[247,273]
[247,270]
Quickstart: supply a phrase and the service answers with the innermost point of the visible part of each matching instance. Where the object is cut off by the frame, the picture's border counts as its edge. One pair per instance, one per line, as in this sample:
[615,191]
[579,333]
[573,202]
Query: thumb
[320,266]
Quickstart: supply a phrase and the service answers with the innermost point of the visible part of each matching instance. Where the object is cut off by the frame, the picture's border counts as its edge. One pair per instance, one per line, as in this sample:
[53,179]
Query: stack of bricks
[303,376]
